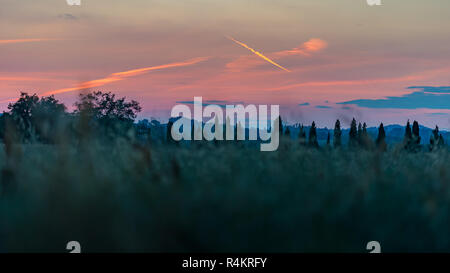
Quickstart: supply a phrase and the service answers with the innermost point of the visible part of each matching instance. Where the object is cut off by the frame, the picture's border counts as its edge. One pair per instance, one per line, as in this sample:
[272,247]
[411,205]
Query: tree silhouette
[302,135]
[381,139]
[353,134]
[436,140]
[412,139]
[312,141]
[280,126]
[407,141]
[415,132]
[359,135]
[366,141]
[37,119]
[408,132]
[34,118]
[337,134]
[105,106]
[103,114]
[143,131]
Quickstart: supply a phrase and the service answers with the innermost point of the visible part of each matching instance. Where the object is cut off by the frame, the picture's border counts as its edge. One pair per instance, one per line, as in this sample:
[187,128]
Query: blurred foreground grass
[226,198]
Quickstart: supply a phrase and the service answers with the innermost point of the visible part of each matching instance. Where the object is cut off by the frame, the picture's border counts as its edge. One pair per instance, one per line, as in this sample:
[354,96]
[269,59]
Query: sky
[319,60]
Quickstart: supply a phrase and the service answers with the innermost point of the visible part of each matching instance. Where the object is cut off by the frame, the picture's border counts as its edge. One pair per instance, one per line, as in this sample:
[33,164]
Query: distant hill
[394,134]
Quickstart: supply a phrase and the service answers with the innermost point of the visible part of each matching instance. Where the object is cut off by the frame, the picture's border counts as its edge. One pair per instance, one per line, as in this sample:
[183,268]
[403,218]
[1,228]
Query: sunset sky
[319,59]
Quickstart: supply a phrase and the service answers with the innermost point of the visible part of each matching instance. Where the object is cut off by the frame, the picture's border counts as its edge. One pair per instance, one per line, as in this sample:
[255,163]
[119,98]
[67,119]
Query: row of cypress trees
[359,137]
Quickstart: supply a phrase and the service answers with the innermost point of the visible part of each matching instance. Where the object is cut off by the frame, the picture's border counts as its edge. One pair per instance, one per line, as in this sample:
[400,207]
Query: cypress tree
[328,139]
[366,142]
[381,139]
[313,136]
[436,133]
[408,133]
[415,132]
[436,140]
[407,141]
[353,134]
[337,134]
[360,133]
[280,126]
[302,135]
[432,143]
[414,144]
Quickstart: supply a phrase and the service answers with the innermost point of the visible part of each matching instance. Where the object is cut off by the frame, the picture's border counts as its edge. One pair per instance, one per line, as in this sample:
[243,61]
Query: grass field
[225,198]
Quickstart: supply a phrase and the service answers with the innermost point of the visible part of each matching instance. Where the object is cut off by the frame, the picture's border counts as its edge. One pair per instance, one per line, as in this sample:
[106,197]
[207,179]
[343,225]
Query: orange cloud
[114,77]
[139,71]
[259,54]
[119,76]
[2,42]
[313,45]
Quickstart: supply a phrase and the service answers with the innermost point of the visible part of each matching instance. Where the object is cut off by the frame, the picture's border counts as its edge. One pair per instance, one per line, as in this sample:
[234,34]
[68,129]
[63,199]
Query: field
[228,197]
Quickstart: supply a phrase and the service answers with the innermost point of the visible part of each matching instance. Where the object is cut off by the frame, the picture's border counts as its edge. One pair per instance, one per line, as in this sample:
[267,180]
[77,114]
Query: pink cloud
[15,41]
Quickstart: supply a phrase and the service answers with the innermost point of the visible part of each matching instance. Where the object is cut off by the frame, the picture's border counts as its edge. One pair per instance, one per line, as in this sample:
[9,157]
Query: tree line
[360,138]
[47,120]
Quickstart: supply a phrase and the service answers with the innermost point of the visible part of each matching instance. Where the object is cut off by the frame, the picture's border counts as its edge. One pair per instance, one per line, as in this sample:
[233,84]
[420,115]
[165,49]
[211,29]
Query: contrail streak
[258,54]
[119,76]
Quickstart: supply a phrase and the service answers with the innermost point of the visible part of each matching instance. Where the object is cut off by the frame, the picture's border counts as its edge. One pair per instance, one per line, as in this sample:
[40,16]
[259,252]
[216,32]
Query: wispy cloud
[15,41]
[438,114]
[21,79]
[313,45]
[119,76]
[323,107]
[114,77]
[303,104]
[430,97]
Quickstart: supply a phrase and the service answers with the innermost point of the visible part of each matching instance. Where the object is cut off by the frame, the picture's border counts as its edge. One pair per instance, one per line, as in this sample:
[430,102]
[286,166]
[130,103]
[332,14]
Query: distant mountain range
[394,133]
